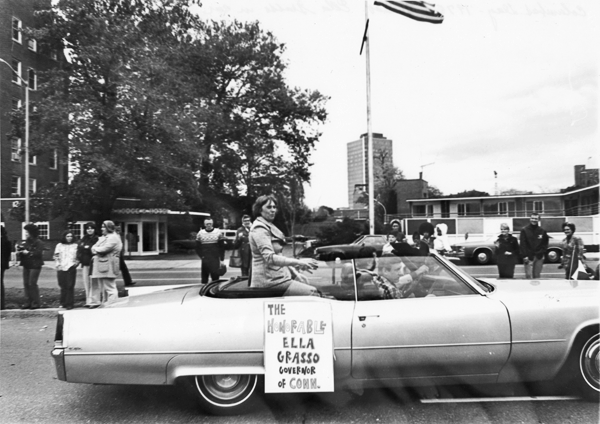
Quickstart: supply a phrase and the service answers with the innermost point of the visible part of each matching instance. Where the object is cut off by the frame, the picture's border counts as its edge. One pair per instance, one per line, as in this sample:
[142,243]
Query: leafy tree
[470,193]
[156,104]
[342,232]
[433,192]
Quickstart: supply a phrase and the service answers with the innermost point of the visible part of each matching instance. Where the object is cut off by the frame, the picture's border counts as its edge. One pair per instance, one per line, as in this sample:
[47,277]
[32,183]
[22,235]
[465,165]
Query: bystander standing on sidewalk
[242,243]
[572,250]
[124,270]
[534,243]
[210,246]
[84,256]
[105,262]
[30,253]
[6,252]
[65,256]
[507,252]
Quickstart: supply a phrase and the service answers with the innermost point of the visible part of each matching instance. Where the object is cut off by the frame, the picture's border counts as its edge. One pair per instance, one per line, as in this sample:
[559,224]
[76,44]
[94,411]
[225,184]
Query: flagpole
[369,130]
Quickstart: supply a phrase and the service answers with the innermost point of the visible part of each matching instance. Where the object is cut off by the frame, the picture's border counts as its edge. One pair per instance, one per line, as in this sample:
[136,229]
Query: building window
[503,208]
[15,149]
[53,162]
[32,186]
[535,206]
[32,159]
[15,186]
[54,54]
[17,25]
[32,44]
[16,76]
[419,210]
[16,104]
[462,210]
[429,210]
[43,227]
[32,79]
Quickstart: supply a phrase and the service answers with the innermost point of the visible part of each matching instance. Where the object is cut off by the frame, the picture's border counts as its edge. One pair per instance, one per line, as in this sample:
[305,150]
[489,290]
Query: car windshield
[372,278]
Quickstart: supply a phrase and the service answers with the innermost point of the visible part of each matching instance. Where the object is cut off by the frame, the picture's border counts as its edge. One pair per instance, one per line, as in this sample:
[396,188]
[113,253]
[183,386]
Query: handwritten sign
[298,347]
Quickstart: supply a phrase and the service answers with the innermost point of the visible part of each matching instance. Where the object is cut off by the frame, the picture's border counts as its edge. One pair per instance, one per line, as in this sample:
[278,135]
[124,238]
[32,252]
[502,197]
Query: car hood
[550,289]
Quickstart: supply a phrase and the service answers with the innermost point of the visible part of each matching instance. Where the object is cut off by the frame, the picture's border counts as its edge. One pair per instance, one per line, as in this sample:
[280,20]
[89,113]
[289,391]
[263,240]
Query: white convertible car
[388,321]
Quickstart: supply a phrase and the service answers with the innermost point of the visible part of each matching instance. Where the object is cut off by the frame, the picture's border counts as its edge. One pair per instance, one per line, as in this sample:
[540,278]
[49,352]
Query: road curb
[26,313]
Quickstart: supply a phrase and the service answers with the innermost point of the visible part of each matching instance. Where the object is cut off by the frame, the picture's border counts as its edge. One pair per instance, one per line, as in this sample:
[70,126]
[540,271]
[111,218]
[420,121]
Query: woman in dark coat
[31,254]
[507,252]
[84,256]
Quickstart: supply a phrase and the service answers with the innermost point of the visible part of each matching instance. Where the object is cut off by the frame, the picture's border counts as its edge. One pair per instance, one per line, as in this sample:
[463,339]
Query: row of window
[15,186]
[16,147]
[474,209]
[31,75]
[43,227]
[17,36]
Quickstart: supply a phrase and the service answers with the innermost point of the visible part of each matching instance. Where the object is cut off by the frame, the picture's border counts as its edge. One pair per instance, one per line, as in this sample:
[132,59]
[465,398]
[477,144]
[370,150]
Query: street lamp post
[26,139]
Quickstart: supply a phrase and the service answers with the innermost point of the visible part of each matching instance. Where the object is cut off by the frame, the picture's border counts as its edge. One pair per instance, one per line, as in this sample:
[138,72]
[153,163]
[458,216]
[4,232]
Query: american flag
[417,10]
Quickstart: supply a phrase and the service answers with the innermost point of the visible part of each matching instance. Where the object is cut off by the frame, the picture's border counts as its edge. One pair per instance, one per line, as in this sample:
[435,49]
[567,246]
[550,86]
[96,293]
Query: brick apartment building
[26,57]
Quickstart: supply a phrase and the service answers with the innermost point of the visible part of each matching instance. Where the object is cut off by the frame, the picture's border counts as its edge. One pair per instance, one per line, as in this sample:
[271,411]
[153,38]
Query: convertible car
[390,321]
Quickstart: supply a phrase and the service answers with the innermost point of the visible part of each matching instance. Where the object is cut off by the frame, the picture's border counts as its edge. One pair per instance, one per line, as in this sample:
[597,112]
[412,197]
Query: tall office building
[358,164]
[28,59]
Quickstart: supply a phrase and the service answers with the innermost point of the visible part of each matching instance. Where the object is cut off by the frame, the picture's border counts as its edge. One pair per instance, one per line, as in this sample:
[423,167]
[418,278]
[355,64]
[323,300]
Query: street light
[26,139]
[360,187]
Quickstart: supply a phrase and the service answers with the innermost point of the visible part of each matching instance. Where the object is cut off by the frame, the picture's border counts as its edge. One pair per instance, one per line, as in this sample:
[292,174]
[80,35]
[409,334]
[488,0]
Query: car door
[455,331]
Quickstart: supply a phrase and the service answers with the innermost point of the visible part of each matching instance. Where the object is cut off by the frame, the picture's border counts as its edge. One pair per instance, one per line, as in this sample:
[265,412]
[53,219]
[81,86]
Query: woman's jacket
[105,262]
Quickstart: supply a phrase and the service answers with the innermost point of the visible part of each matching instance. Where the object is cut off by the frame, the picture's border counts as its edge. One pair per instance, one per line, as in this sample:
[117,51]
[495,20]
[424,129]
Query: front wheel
[224,394]
[553,256]
[483,257]
[589,368]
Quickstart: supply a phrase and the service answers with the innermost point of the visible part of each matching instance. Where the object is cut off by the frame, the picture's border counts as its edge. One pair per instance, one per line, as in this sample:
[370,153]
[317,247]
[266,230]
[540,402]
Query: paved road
[30,393]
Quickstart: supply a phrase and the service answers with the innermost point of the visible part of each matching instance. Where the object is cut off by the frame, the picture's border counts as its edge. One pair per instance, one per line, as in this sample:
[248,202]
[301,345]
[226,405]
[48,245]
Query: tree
[470,193]
[386,176]
[156,104]
[433,192]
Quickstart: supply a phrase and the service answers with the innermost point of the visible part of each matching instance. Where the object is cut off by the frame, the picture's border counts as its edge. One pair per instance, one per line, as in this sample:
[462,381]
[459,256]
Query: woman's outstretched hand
[307,264]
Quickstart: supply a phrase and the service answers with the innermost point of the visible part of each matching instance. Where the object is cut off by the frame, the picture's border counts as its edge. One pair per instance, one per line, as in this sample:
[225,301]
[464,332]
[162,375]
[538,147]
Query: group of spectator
[101,259]
[531,246]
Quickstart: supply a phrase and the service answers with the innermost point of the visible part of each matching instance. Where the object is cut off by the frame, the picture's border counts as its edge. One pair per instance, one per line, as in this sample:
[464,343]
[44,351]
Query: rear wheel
[589,368]
[224,394]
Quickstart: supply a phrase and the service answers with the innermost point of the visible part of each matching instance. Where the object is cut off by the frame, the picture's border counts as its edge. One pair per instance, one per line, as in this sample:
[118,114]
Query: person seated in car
[397,281]
[393,238]
[269,267]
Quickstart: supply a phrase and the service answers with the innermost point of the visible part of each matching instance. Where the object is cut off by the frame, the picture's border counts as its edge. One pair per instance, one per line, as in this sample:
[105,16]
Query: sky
[505,86]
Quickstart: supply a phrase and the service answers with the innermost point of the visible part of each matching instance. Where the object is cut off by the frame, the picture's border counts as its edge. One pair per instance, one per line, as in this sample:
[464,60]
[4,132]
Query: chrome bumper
[58,354]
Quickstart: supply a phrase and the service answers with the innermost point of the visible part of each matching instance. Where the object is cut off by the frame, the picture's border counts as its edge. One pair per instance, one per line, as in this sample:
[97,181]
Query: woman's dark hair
[63,236]
[33,230]
[570,225]
[89,225]
[260,202]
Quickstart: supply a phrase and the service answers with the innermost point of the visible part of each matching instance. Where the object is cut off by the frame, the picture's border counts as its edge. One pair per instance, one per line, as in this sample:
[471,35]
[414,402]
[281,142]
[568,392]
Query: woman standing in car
[269,267]
[507,252]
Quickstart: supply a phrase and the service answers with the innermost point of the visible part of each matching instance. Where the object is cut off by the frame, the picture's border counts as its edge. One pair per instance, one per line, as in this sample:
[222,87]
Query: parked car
[482,252]
[344,251]
[446,328]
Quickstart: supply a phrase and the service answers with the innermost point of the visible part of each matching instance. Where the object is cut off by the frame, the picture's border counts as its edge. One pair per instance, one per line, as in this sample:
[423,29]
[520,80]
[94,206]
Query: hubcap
[590,363]
[225,387]
[482,257]
[552,256]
